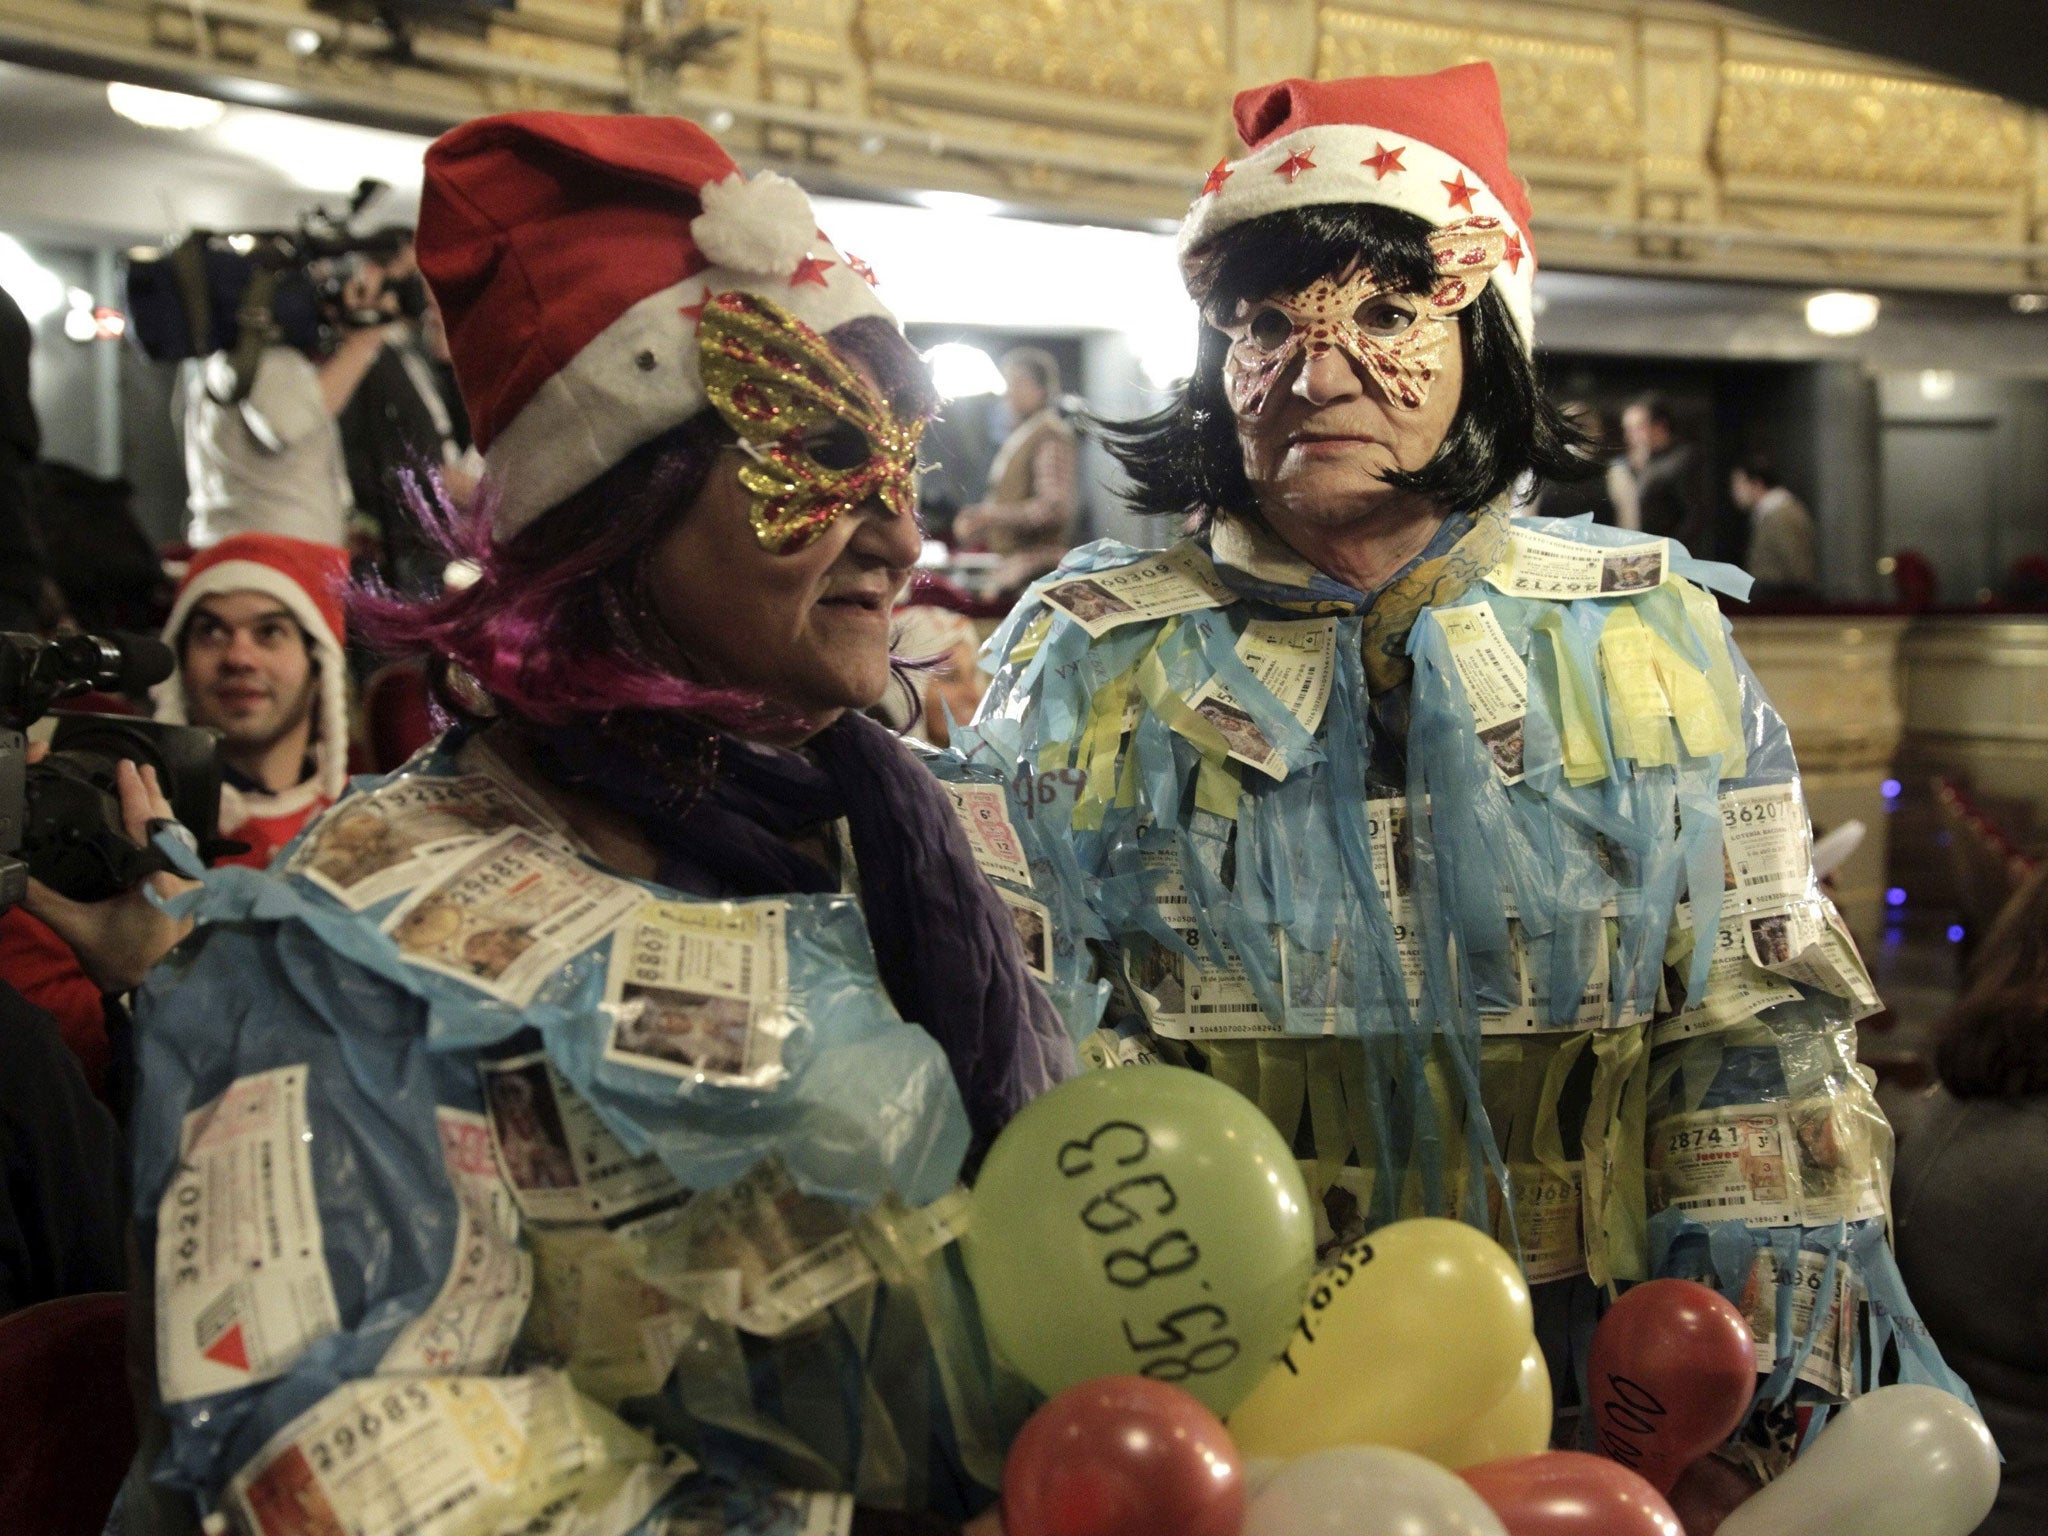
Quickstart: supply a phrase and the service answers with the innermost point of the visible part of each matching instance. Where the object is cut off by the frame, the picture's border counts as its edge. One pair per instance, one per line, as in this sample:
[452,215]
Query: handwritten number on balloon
[1170,1332]
[1078,1157]
[1106,1213]
[1199,1361]
[1130,1269]
[1341,1272]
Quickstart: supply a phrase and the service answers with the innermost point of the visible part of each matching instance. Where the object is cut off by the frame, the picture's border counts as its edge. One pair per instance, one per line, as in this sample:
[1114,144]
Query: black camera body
[60,819]
[240,292]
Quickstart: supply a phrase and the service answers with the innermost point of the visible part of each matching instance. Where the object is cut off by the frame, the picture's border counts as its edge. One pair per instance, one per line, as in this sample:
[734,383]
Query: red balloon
[1708,1492]
[1672,1372]
[1568,1493]
[1123,1456]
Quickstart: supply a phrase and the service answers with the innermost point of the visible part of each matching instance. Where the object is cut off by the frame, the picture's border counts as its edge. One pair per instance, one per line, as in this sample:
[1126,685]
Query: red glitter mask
[1397,338]
[820,440]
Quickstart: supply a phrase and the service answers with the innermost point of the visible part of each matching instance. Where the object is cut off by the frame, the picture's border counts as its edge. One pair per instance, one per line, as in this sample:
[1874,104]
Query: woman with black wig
[1405,816]
[612,1066]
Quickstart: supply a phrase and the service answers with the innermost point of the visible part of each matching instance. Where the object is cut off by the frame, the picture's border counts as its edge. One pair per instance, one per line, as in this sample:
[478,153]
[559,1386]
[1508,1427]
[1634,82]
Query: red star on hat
[1515,253]
[1382,159]
[694,313]
[1217,176]
[1461,195]
[811,269]
[1296,163]
[862,270]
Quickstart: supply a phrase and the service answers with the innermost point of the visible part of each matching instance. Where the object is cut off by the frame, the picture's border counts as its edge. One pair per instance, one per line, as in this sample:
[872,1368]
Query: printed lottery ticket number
[1129,1204]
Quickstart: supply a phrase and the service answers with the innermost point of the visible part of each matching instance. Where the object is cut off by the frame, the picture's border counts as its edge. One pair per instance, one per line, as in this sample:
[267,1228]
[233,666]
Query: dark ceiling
[1995,45]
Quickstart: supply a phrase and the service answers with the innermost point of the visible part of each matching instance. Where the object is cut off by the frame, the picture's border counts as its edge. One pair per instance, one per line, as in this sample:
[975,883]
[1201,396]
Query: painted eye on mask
[838,445]
[1383,317]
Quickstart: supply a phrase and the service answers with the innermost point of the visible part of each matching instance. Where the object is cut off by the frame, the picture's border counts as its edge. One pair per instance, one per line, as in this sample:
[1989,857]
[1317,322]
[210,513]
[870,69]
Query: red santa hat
[308,579]
[572,257]
[1432,145]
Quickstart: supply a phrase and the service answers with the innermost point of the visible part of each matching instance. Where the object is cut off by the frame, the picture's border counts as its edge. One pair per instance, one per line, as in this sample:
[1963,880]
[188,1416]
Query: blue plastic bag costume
[1494,890]
[482,1183]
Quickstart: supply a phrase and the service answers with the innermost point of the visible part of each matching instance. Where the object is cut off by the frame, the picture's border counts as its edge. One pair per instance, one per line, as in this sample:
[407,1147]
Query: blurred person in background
[404,417]
[1780,554]
[1663,472]
[21,566]
[946,673]
[1972,1162]
[1028,513]
[1592,495]
[264,454]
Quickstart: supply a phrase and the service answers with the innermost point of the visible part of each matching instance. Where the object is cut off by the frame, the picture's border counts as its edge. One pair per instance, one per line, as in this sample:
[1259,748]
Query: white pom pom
[764,225]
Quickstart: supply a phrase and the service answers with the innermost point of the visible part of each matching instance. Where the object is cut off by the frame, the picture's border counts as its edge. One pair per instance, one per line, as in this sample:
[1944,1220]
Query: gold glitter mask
[820,440]
[1397,338]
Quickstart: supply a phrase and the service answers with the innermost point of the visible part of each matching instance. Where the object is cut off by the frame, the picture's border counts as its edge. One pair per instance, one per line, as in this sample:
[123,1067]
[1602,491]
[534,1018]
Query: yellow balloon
[1517,1425]
[1410,1335]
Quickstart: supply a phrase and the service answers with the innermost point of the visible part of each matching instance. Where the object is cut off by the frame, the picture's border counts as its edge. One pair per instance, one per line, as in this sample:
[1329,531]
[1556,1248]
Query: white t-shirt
[269,464]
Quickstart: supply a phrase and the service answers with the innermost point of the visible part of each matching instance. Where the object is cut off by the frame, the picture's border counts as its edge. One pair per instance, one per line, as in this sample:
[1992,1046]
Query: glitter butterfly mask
[1267,336]
[820,440]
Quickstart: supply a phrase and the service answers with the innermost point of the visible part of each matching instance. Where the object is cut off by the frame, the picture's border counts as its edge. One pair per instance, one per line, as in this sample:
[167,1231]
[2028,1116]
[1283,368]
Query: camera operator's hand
[117,941]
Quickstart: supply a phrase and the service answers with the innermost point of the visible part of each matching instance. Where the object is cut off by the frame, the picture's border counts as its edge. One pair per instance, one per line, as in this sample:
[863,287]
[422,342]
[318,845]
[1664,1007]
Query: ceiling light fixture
[172,111]
[1836,313]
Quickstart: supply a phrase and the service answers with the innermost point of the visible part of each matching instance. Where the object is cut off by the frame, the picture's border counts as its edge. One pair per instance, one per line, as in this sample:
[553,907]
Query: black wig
[1186,457]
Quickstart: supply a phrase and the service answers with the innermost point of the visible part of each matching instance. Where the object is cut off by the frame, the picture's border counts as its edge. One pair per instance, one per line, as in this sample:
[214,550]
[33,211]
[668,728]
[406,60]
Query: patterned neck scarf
[1254,563]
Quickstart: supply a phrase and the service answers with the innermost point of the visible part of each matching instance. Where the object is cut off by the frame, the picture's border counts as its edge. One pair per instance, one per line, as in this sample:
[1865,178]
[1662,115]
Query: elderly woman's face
[1336,385]
[807,629]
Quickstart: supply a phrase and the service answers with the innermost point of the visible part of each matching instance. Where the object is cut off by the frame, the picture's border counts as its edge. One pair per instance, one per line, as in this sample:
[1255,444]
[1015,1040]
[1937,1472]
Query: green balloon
[1141,1221]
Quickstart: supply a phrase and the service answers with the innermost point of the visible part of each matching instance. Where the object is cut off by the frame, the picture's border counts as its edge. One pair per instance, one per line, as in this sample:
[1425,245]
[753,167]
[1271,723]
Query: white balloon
[1903,1461]
[1368,1490]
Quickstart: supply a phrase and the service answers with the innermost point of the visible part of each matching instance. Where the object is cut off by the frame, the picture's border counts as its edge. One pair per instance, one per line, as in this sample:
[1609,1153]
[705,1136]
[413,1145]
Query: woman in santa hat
[642,1026]
[1425,796]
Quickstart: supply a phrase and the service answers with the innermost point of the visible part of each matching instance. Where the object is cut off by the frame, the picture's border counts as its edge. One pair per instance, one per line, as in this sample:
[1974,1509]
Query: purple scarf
[945,947]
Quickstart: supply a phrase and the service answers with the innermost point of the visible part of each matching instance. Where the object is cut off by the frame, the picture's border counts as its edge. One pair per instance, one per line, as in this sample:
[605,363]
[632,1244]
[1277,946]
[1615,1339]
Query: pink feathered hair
[548,626]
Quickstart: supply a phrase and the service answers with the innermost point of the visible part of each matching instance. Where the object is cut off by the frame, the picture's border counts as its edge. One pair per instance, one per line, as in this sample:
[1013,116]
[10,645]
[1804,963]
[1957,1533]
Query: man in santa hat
[258,629]
[1395,805]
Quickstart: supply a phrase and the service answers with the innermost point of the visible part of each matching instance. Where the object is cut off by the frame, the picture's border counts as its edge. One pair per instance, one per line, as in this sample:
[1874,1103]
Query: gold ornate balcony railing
[1657,135]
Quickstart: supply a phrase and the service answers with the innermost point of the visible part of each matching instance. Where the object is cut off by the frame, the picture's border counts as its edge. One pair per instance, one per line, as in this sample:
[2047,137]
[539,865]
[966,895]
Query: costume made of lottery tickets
[423,1109]
[1384,861]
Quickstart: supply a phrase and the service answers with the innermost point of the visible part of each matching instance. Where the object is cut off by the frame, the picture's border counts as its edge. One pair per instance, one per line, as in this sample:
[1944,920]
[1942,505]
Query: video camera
[60,819]
[238,293]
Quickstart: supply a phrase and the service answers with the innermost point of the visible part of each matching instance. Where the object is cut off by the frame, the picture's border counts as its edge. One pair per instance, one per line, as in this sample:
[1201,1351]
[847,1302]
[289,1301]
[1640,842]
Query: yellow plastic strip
[1578,726]
[1705,617]
[1636,705]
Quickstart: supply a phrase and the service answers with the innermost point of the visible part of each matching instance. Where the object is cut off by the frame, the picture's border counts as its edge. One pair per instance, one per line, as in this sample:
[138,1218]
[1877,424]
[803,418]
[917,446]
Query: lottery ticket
[1178,581]
[508,914]
[470,1325]
[1544,565]
[1550,1220]
[1829,1364]
[1803,1162]
[1496,682]
[984,811]
[700,990]
[374,845]
[1737,990]
[438,1456]
[560,1160]
[1033,922]
[1807,942]
[795,1254]
[1294,661]
[1189,998]
[242,1287]
[1534,1015]
[1766,852]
